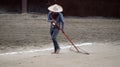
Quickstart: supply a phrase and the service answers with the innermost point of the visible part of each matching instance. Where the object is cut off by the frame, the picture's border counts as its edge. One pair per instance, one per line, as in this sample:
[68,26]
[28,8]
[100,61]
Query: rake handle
[69,40]
[67,37]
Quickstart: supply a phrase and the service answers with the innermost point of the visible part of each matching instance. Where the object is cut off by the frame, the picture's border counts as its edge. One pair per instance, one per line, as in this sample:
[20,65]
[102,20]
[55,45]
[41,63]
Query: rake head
[82,52]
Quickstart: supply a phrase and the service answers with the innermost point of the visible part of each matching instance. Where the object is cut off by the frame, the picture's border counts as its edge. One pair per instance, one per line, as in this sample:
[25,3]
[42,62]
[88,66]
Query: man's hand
[53,22]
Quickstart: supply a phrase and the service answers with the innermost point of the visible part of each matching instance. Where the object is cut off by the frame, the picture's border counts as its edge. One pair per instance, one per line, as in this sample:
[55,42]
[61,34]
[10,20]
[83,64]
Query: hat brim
[55,8]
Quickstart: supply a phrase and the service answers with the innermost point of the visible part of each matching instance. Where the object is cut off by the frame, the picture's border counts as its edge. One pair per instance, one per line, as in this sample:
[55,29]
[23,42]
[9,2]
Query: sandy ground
[101,55]
[19,34]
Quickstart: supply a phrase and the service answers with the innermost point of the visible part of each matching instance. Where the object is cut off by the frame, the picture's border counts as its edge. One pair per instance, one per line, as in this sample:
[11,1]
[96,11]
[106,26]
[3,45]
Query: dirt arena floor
[25,42]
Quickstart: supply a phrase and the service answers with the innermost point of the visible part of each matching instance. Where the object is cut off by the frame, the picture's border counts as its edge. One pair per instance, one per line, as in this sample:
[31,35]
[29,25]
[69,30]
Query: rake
[67,37]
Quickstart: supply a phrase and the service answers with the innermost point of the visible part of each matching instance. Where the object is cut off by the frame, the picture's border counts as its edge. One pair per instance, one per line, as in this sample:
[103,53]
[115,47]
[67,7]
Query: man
[55,17]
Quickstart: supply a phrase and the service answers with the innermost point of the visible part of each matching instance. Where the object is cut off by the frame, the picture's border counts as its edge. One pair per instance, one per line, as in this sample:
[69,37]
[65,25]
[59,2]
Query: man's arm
[49,17]
[62,20]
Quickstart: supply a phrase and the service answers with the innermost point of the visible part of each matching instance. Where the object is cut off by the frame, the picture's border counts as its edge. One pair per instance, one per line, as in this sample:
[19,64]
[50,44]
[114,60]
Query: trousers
[54,32]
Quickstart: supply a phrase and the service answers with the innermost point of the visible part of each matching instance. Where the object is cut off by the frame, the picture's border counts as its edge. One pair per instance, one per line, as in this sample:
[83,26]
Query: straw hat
[55,8]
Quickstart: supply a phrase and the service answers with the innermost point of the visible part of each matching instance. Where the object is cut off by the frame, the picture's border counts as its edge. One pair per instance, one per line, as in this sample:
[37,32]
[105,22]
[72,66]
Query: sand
[25,42]
[101,55]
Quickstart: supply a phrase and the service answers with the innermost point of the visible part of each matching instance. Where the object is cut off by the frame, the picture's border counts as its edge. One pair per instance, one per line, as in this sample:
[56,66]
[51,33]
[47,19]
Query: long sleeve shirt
[59,19]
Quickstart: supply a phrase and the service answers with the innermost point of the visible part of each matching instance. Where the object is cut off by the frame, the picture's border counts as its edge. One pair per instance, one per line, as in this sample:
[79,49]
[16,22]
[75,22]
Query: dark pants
[54,32]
